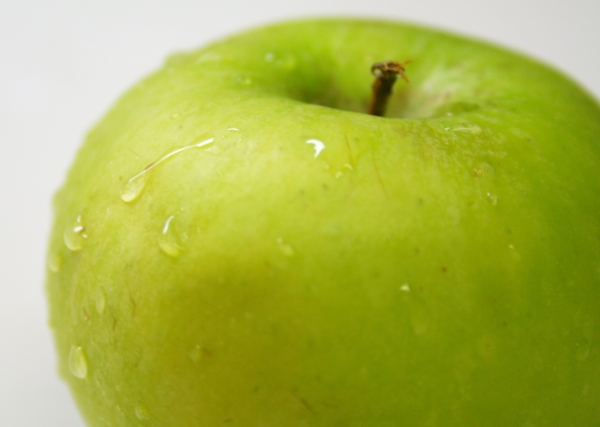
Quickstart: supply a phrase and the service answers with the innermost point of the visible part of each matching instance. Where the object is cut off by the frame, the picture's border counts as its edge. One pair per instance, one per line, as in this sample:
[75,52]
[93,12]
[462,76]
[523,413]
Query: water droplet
[243,80]
[75,235]
[78,362]
[54,262]
[209,57]
[484,170]
[468,128]
[135,185]
[287,63]
[269,57]
[492,198]
[285,248]
[405,287]
[585,343]
[196,353]
[141,412]
[419,324]
[318,145]
[100,302]
[583,350]
[169,240]
[456,108]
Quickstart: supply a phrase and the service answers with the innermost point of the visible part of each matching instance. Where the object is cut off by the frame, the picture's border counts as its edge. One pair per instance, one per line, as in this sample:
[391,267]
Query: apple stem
[385,74]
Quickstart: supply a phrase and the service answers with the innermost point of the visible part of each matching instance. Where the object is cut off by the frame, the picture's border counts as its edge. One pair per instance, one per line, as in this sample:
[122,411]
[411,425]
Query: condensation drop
[468,128]
[100,302]
[484,170]
[243,80]
[78,364]
[419,324]
[134,186]
[54,262]
[285,248]
[141,412]
[75,235]
[209,57]
[583,350]
[347,167]
[318,146]
[196,353]
[169,240]
[584,345]
[288,63]
[492,198]
[405,287]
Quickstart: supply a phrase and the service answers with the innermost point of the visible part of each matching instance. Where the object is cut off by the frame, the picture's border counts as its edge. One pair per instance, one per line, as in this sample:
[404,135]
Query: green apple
[239,243]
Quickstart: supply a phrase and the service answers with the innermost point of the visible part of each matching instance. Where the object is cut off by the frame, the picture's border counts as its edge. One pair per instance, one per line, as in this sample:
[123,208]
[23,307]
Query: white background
[63,62]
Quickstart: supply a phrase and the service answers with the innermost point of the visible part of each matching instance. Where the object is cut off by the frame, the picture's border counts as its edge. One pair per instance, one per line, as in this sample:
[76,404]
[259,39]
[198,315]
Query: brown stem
[385,76]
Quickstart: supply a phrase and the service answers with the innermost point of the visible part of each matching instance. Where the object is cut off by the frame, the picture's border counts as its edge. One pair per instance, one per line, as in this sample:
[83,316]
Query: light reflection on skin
[319,146]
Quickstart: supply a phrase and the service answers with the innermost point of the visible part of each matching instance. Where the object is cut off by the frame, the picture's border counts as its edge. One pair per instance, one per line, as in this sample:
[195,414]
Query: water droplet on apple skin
[75,235]
[78,364]
[318,146]
[168,240]
[492,198]
[484,170]
[100,302]
[243,80]
[455,108]
[283,62]
[141,412]
[134,186]
[54,262]
[285,248]
[209,57]
[196,354]
[405,287]
[471,129]
[582,351]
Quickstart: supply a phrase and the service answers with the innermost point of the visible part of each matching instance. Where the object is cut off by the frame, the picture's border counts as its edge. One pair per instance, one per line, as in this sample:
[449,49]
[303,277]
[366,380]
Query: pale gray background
[63,62]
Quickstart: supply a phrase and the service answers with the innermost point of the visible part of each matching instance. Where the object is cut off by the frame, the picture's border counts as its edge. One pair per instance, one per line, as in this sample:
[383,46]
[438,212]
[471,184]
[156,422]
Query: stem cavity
[385,73]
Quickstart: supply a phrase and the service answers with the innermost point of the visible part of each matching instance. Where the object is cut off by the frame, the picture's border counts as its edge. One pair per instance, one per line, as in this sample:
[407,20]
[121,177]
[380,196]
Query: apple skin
[436,267]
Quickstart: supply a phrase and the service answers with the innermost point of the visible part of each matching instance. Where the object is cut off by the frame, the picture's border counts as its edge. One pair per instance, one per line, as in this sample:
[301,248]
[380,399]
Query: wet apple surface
[239,243]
